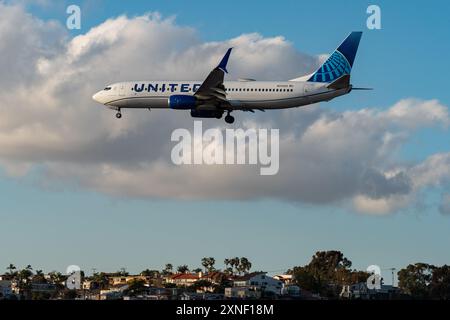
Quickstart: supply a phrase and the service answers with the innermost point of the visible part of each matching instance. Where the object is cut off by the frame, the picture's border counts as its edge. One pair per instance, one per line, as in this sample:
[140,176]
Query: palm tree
[39,277]
[227,262]
[168,269]
[234,263]
[245,265]
[212,262]
[208,263]
[57,279]
[11,269]
[183,269]
[123,272]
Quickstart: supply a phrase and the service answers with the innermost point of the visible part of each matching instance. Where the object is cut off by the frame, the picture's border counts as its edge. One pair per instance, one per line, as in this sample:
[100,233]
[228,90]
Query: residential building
[291,290]
[287,279]
[183,279]
[5,288]
[259,281]
[242,292]
[215,277]
[113,293]
[123,280]
[361,291]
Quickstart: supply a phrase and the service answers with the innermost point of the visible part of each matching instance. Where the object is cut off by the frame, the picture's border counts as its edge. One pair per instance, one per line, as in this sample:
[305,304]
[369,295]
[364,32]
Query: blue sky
[52,227]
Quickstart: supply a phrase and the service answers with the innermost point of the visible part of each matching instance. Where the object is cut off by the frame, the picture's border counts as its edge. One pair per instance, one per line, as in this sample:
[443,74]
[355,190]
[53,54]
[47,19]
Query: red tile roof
[184,276]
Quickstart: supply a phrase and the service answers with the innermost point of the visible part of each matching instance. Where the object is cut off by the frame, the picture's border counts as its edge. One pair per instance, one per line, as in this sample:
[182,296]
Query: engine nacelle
[182,102]
[206,114]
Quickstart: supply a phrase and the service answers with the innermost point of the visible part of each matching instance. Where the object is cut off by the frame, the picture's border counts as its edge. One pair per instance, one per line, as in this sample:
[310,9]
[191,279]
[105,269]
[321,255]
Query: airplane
[213,97]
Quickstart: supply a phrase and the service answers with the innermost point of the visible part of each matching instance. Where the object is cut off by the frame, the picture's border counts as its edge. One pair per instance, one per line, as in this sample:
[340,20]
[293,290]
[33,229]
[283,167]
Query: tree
[415,280]
[440,283]
[234,263]
[12,273]
[39,277]
[208,263]
[201,285]
[305,279]
[183,269]
[245,265]
[25,274]
[11,269]
[135,287]
[197,270]
[122,272]
[101,279]
[237,265]
[57,279]
[168,269]
[325,274]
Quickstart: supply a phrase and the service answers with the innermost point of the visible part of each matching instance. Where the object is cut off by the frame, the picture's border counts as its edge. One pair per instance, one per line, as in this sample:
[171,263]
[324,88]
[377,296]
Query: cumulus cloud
[325,156]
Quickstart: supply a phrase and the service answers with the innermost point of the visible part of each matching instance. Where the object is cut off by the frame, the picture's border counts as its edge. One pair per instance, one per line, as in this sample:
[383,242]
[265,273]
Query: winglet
[224,62]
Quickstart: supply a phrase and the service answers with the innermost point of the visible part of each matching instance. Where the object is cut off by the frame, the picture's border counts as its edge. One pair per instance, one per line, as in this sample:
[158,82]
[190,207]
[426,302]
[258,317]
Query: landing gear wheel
[229,119]
[118,115]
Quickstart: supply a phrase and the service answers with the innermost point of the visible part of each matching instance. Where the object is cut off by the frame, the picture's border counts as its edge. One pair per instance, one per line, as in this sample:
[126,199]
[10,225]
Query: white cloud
[326,157]
[415,113]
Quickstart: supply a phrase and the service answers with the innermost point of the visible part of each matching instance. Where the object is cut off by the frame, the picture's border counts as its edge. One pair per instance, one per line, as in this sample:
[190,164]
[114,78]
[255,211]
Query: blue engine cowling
[182,102]
[206,114]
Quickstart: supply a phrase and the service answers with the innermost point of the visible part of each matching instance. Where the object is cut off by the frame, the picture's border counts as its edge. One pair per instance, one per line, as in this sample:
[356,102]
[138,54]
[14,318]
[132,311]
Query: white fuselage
[241,94]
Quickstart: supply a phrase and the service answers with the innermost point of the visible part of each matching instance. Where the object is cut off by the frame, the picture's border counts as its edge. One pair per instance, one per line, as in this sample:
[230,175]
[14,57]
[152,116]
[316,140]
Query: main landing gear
[118,114]
[229,118]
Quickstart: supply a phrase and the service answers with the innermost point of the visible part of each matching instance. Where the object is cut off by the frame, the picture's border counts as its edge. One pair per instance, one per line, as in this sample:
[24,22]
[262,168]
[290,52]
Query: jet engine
[182,102]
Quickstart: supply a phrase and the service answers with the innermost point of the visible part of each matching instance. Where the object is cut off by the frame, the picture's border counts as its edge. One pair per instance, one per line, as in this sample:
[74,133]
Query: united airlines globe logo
[335,67]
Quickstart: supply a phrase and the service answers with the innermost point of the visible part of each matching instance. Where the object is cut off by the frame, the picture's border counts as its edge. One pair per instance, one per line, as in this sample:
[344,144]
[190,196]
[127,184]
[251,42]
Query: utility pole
[393,275]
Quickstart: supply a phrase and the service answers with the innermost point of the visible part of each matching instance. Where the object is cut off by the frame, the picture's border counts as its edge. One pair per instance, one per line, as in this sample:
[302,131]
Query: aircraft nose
[96,97]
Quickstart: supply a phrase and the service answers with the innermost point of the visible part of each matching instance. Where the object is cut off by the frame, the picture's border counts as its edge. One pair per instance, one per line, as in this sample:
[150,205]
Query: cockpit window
[107,88]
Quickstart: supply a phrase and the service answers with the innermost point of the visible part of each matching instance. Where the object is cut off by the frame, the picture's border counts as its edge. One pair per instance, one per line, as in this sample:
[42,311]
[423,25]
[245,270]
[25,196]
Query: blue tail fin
[340,62]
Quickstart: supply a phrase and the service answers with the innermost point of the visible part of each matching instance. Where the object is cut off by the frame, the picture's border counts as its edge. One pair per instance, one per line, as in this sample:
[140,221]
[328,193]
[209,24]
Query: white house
[259,281]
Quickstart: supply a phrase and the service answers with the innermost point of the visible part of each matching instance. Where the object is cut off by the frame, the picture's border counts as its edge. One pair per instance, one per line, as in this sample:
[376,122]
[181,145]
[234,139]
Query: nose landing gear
[229,118]
[118,114]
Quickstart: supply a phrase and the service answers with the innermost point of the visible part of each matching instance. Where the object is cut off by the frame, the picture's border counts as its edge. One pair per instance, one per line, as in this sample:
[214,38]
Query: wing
[212,90]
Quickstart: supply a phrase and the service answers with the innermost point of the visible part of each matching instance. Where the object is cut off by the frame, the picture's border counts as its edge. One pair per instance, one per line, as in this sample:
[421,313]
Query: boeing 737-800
[214,96]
